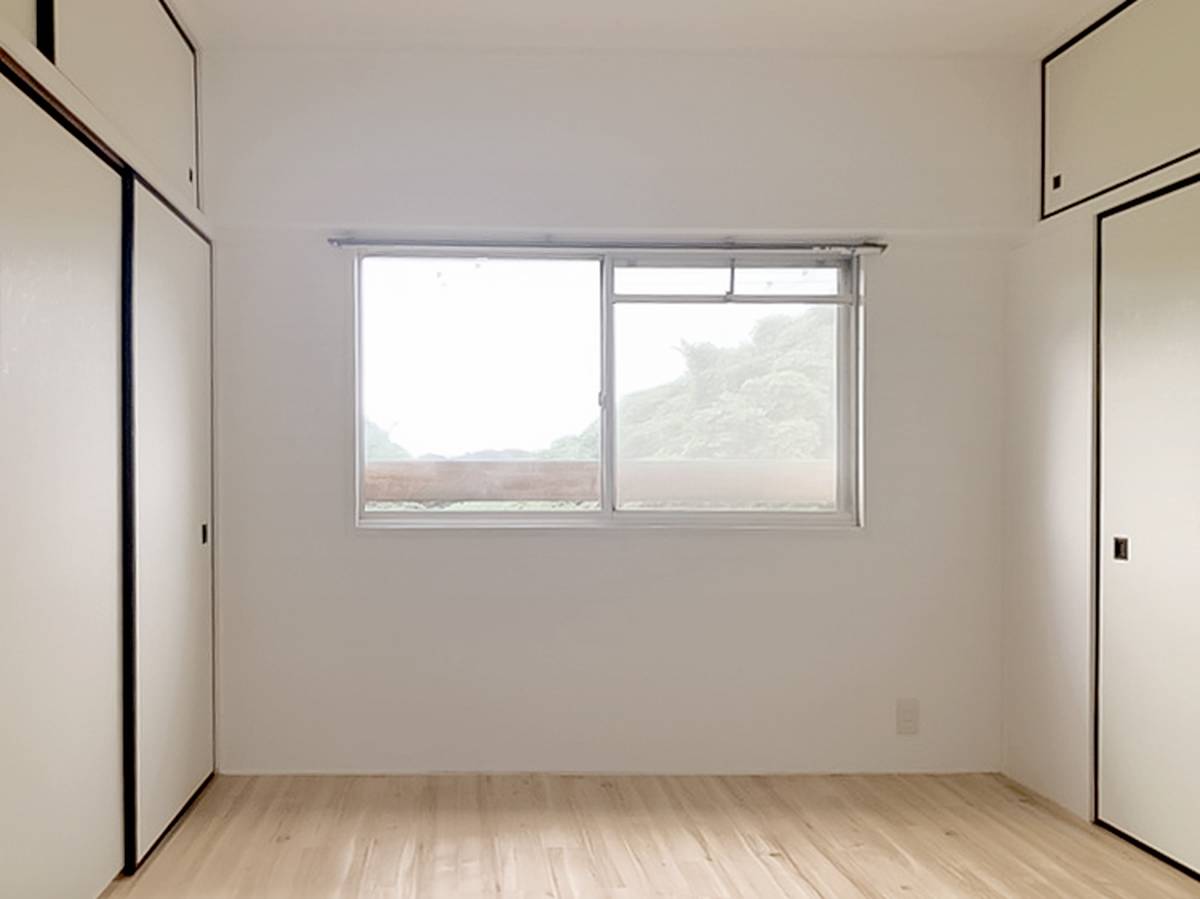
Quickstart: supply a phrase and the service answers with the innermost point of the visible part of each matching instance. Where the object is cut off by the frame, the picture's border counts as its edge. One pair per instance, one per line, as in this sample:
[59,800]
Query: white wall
[400,651]
[715,143]
[1048,523]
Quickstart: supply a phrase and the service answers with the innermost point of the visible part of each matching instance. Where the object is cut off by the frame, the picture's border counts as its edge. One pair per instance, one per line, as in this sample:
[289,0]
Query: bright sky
[463,355]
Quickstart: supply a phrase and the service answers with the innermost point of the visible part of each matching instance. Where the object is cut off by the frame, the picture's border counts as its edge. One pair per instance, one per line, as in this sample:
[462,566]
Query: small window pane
[480,380]
[791,282]
[671,282]
[727,407]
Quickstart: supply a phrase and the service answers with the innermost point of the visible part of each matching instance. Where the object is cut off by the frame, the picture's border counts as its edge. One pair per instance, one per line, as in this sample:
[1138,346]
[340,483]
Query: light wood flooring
[551,836]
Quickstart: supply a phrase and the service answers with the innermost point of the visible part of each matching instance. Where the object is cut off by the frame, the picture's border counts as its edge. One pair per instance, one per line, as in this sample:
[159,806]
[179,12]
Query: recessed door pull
[203,534]
[1121,549]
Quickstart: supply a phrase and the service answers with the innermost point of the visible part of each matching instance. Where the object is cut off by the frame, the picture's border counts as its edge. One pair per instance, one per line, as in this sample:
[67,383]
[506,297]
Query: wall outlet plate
[908,717]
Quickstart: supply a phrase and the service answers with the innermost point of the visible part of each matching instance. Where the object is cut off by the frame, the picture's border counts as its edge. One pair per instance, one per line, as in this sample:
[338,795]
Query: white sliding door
[1149,686]
[172,448]
[60,514]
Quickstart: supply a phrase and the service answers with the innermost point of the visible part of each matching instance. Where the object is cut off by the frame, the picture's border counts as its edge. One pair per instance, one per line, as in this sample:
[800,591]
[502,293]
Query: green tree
[771,397]
[380,447]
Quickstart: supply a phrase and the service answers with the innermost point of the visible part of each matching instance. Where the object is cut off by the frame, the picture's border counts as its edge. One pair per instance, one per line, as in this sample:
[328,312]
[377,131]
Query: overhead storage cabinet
[133,61]
[1121,100]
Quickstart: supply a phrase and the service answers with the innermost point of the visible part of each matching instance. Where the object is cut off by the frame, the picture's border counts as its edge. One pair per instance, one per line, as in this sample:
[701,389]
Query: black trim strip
[187,807]
[128,527]
[178,25]
[1098,542]
[1091,29]
[1151,196]
[1097,500]
[46,30]
[212,483]
[1095,26]
[1042,186]
[1148,849]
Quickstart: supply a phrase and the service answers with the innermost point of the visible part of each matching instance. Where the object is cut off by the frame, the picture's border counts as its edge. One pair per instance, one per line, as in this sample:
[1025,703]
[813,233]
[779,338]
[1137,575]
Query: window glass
[726,406]
[793,282]
[671,282]
[480,380]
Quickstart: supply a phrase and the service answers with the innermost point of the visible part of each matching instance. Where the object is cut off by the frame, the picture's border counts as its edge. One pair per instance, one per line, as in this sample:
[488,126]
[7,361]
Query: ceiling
[1017,27]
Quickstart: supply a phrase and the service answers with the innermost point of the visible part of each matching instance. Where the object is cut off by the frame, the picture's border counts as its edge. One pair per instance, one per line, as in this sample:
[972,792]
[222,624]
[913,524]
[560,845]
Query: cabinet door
[1149,717]
[22,15]
[60,513]
[173,489]
[1122,101]
[132,61]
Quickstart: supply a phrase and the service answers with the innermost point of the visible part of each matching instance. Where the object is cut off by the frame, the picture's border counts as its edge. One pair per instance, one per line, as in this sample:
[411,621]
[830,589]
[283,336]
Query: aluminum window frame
[849,300]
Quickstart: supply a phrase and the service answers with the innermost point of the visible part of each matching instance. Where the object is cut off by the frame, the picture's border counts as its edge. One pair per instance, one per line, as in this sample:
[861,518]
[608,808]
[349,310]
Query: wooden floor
[539,836]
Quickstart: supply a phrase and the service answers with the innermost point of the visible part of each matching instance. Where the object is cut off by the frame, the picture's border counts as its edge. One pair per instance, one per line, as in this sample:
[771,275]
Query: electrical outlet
[908,717]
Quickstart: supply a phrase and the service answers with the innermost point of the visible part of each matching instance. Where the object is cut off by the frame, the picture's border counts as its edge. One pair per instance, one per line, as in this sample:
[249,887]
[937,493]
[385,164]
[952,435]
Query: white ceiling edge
[818,28]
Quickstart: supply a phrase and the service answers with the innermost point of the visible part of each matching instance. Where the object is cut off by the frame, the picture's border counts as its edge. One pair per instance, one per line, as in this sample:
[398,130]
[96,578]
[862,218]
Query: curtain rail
[847,248]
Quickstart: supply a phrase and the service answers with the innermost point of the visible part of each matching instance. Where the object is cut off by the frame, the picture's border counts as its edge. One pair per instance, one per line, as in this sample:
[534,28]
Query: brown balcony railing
[699,482]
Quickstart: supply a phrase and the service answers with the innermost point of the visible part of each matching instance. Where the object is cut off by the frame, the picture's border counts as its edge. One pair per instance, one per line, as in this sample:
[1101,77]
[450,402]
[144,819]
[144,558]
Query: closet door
[1149,615]
[60,514]
[173,677]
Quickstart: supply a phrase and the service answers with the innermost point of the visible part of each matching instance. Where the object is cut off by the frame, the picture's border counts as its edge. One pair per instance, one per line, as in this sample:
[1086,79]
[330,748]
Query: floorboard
[565,837]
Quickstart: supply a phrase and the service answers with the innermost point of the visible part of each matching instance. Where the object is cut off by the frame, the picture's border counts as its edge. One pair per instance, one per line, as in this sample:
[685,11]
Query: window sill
[620,521]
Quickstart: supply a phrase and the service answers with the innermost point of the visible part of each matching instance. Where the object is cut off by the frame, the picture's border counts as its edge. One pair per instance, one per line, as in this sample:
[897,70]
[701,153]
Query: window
[555,388]
[479,384]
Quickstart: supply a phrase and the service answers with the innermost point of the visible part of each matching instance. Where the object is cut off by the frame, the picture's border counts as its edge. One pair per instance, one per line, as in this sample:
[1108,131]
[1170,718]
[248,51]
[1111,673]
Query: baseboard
[518,772]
